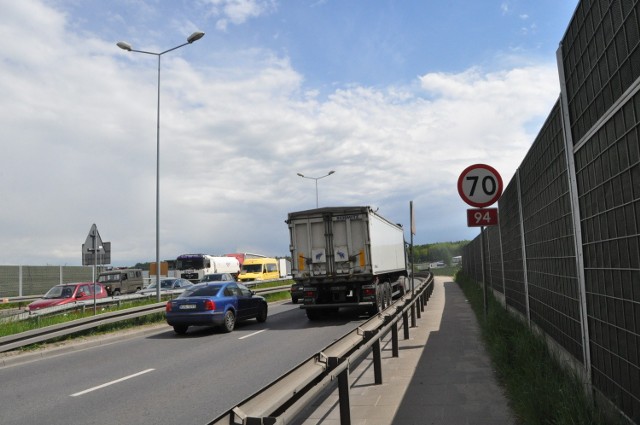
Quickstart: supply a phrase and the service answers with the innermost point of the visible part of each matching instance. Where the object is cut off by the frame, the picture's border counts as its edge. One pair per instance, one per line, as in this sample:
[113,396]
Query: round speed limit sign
[480,185]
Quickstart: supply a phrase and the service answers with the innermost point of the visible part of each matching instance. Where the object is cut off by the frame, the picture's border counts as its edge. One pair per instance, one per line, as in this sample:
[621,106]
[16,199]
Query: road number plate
[187,307]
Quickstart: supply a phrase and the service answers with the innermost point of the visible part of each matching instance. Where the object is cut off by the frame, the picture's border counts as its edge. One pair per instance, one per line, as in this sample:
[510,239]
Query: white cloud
[238,11]
[81,126]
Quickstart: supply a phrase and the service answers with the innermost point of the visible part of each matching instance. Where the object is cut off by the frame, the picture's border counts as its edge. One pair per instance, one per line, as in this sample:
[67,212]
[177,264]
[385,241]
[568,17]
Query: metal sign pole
[413,306]
[95,266]
[484,278]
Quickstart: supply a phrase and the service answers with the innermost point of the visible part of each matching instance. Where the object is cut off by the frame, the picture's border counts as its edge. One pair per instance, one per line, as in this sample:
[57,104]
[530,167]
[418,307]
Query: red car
[68,293]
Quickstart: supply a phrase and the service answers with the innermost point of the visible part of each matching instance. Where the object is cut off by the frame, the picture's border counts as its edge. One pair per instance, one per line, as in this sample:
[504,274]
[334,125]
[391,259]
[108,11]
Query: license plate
[339,288]
[187,307]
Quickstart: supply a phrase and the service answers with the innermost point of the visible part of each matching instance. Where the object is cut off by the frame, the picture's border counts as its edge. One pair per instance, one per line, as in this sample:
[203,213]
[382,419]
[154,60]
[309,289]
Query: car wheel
[294,300]
[229,321]
[180,329]
[116,293]
[262,316]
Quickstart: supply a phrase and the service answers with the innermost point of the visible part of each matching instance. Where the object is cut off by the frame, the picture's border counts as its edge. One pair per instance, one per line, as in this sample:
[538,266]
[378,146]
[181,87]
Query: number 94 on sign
[479,217]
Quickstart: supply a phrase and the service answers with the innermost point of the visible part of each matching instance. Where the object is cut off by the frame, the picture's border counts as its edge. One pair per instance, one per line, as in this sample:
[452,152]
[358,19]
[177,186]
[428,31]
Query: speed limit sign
[480,185]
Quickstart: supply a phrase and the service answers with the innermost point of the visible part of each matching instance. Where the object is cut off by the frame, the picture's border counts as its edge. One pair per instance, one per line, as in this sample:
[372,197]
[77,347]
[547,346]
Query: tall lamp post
[316,179]
[126,46]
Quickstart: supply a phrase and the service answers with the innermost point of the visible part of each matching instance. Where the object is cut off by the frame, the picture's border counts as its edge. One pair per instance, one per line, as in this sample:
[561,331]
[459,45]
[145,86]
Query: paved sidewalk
[443,374]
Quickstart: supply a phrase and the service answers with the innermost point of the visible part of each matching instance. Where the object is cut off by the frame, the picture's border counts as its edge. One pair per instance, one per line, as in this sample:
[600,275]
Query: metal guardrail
[11,342]
[286,397]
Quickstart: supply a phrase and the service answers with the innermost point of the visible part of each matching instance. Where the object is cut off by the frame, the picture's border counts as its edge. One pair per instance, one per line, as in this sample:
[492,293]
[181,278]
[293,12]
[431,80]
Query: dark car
[217,277]
[172,284]
[219,304]
[296,292]
[68,293]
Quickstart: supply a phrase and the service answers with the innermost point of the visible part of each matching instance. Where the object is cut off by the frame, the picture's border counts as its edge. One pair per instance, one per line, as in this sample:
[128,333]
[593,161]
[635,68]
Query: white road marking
[112,382]
[255,333]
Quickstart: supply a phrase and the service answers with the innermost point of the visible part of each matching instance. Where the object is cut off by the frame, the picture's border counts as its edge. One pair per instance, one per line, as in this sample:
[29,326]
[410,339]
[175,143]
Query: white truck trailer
[195,266]
[346,257]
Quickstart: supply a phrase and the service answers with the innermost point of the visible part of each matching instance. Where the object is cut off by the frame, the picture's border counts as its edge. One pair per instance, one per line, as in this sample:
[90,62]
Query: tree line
[439,251]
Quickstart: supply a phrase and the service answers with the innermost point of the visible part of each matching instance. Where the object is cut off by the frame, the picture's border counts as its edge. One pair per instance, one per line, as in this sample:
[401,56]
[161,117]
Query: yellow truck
[264,268]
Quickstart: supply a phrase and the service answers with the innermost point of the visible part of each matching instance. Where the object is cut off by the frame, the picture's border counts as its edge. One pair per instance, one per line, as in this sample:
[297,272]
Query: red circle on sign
[480,185]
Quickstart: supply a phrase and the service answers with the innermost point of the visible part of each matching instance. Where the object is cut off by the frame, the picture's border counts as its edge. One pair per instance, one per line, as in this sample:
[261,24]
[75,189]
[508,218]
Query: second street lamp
[316,179]
[126,46]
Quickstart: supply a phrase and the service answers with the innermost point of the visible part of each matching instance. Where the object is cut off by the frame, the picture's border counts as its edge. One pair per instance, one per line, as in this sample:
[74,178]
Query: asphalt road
[163,378]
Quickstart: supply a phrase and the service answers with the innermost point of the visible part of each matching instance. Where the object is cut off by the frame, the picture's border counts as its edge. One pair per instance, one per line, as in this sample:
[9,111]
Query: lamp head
[195,37]
[300,174]
[124,46]
[331,172]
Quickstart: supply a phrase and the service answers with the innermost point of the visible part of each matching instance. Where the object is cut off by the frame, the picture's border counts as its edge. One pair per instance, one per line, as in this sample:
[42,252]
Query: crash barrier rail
[11,342]
[285,398]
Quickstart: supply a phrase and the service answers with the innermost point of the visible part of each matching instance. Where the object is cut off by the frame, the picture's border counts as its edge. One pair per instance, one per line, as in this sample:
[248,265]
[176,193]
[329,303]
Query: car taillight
[209,305]
[368,291]
[168,307]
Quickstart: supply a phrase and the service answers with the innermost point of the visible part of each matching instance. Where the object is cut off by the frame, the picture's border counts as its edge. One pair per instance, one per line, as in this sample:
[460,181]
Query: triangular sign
[89,242]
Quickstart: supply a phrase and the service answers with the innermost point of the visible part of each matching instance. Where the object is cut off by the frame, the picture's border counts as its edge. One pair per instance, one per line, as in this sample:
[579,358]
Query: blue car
[219,304]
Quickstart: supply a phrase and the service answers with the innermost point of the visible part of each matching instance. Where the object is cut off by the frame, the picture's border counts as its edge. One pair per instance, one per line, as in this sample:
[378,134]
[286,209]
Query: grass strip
[540,390]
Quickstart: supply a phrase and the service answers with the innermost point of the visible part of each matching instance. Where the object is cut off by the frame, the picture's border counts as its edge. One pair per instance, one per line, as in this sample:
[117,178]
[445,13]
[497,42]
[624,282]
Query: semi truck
[346,257]
[194,267]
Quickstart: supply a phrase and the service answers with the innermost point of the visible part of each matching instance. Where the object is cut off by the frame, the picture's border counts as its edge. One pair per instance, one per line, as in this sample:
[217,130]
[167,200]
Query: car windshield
[252,268]
[201,291]
[59,292]
[166,283]
[212,278]
[189,263]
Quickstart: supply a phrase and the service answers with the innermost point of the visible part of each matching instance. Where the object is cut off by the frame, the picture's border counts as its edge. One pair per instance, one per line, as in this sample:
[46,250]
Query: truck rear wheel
[313,314]
[380,299]
[388,295]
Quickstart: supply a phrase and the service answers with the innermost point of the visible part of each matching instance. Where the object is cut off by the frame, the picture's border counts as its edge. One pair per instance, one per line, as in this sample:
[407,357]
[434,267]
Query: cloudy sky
[396,96]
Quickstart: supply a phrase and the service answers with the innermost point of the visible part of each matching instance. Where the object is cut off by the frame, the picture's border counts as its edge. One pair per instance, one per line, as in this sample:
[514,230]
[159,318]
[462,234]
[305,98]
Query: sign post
[413,231]
[480,186]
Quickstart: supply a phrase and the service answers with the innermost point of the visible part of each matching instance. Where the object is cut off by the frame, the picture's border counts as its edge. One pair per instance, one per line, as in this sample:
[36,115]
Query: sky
[397,97]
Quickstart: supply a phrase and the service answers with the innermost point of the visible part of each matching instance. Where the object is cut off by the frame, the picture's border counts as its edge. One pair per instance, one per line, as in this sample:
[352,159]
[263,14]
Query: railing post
[394,340]
[418,305]
[377,362]
[343,392]
[405,324]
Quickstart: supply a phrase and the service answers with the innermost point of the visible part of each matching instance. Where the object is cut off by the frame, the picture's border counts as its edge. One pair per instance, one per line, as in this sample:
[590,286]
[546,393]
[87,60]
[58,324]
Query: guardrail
[11,342]
[285,398]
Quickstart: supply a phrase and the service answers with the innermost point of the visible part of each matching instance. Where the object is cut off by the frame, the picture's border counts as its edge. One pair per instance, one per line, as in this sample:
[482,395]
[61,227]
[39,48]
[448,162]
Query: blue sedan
[220,304]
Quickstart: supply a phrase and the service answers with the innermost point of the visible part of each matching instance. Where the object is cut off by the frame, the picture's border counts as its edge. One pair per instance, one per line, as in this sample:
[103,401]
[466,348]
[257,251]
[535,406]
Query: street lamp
[126,46]
[316,179]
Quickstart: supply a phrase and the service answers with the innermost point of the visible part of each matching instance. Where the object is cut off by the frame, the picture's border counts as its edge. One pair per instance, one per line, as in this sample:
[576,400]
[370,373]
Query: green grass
[278,296]
[539,389]
[13,304]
